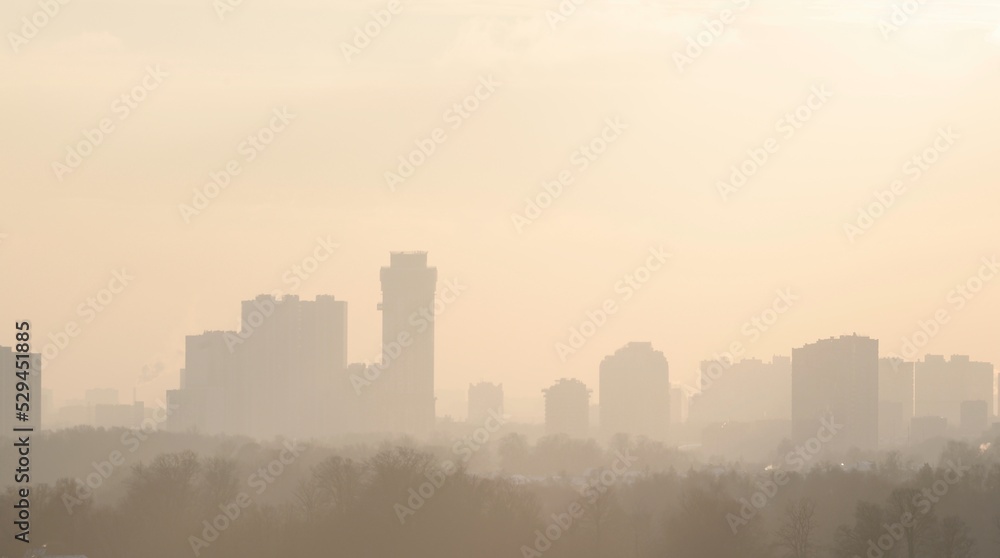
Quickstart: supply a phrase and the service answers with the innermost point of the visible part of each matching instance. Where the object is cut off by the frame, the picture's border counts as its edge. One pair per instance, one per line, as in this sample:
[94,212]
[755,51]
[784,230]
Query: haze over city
[656,186]
[631,278]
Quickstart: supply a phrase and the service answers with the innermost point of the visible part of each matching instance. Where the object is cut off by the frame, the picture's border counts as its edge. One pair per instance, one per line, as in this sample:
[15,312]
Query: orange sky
[556,89]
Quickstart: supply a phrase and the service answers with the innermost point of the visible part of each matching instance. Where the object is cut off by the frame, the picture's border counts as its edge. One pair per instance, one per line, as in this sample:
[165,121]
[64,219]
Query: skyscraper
[745,391]
[276,375]
[567,408]
[836,381]
[635,392]
[406,386]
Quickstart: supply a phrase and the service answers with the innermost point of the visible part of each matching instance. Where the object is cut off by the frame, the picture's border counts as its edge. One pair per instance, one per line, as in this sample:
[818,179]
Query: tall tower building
[408,309]
[292,351]
[746,391]
[567,408]
[836,381]
[635,392]
[277,375]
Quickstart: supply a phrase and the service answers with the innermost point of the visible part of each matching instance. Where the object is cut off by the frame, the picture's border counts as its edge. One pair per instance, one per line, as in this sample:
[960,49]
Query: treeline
[288,499]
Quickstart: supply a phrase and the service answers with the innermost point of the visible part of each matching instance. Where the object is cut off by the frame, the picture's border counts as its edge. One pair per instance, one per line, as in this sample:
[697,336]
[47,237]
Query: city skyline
[655,186]
[500,278]
[750,331]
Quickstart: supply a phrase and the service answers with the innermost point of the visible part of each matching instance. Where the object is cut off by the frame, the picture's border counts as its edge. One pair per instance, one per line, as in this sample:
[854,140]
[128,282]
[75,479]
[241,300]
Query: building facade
[635,392]
[835,382]
[567,408]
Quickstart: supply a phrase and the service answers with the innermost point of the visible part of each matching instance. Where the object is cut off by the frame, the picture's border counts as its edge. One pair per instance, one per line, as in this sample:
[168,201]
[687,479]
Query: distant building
[941,386]
[485,399]
[746,391]
[635,392]
[210,380]
[974,418]
[274,376]
[836,381]
[923,429]
[350,405]
[73,413]
[9,381]
[895,396]
[567,405]
[405,389]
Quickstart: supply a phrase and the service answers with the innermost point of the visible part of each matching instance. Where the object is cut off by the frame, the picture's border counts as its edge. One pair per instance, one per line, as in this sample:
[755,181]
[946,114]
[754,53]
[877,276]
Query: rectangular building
[836,380]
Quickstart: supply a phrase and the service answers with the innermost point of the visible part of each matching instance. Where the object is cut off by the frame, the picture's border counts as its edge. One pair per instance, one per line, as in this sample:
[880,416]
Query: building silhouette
[635,392]
[405,389]
[276,375]
[746,391]
[212,396]
[923,429]
[974,417]
[895,400]
[485,399]
[940,386]
[567,408]
[836,381]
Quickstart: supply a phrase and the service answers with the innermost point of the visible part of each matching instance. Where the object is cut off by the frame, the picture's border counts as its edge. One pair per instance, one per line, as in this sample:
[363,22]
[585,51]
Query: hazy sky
[323,176]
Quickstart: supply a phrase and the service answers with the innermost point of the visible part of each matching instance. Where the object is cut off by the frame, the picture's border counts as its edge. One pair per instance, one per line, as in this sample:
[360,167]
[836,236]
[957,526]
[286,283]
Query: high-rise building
[974,417]
[835,381]
[635,392]
[927,428]
[942,385]
[293,350]
[276,375]
[485,400]
[406,386]
[567,408]
[353,403]
[212,390]
[746,391]
[895,396]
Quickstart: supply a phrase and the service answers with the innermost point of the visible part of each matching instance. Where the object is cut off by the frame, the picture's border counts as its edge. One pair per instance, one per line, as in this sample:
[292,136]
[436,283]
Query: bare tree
[918,533]
[795,536]
[953,539]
